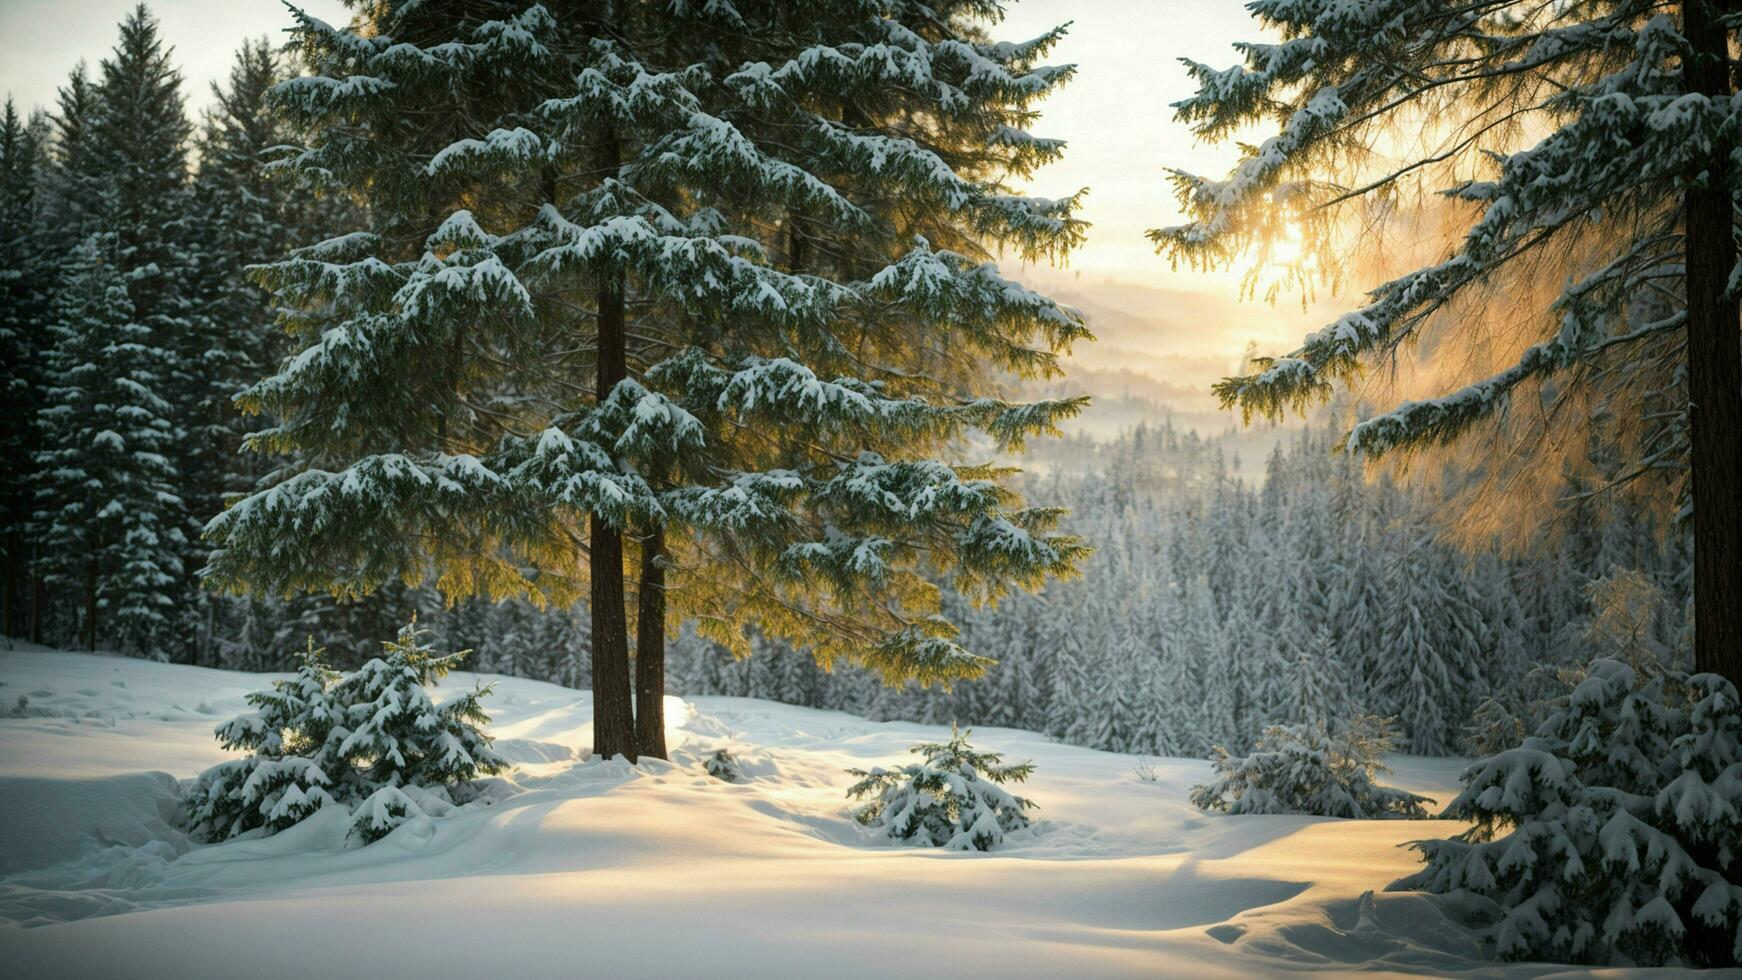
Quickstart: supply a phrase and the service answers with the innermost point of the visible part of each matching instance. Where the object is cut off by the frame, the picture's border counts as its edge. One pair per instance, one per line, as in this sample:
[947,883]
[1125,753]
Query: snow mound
[572,865]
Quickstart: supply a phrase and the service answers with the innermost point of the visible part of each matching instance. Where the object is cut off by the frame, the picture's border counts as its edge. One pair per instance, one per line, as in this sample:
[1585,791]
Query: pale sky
[1114,114]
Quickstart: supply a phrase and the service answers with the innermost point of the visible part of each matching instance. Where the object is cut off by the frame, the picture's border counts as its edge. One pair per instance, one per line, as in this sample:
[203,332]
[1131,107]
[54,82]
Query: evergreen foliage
[1610,835]
[109,519]
[723,767]
[26,294]
[1582,156]
[763,233]
[1309,769]
[1176,603]
[370,740]
[953,798]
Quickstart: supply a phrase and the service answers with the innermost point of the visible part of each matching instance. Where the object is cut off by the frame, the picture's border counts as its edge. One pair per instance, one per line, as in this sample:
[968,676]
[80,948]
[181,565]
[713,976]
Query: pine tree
[110,520]
[282,781]
[1609,835]
[1304,769]
[138,144]
[25,275]
[397,742]
[1321,694]
[119,186]
[1071,716]
[245,216]
[782,331]
[371,740]
[1118,724]
[1604,203]
[953,798]
[76,187]
[1419,682]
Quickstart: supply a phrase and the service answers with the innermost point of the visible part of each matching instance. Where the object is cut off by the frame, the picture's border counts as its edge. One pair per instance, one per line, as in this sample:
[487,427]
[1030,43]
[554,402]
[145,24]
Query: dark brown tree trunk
[613,705]
[38,603]
[1714,372]
[613,702]
[90,606]
[613,690]
[650,648]
[11,580]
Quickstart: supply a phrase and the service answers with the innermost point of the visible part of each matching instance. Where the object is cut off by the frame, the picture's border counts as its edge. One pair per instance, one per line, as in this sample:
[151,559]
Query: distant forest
[1215,605]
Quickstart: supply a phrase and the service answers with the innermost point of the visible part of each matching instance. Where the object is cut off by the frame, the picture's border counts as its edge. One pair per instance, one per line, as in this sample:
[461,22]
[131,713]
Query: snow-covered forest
[1177,637]
[524,439]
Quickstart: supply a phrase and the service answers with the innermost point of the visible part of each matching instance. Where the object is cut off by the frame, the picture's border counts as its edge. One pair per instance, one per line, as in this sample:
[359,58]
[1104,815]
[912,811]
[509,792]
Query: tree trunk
[613,706]
[90,606]
[613,691]
[613,703]
[650,648]
[38,602]
[13,577]
[1714,372]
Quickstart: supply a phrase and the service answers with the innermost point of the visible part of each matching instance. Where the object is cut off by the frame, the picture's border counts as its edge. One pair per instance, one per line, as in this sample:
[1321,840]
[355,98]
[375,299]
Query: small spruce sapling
[953,799]
[371,740]
[288,772]
[400,743]
[723,767]
[1306,769]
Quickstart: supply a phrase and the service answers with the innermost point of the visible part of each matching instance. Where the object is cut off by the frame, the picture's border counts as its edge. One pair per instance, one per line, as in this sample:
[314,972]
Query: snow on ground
[597,868]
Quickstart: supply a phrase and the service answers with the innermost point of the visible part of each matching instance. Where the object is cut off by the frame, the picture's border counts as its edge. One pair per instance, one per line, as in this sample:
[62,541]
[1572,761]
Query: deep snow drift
[596,868]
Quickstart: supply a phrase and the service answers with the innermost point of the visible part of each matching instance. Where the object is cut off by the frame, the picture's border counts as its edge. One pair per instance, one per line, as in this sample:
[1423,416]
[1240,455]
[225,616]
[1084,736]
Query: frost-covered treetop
[1561,130]
[799,207]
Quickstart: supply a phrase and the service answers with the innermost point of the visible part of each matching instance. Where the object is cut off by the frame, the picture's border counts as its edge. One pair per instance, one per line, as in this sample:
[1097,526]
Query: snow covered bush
[1307,769]
[723,767]
[1612,835]
[951,799]
[371,740]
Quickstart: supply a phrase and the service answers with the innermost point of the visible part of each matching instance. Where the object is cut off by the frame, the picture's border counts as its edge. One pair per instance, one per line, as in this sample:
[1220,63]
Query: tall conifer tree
[1589,147]
[707,290]
[26,275]
[107,511]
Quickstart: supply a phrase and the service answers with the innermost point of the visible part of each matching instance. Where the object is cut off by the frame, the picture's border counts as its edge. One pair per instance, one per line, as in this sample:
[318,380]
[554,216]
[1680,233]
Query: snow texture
[592,866]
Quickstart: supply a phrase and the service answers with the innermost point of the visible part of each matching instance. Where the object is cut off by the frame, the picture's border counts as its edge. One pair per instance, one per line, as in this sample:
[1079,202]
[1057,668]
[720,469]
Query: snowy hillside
[595,868]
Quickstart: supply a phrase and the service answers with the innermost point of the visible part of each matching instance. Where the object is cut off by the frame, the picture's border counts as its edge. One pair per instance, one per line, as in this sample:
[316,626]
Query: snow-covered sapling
[371,740]
[723,767]
[1306,769]
[951,799]
[1612,835]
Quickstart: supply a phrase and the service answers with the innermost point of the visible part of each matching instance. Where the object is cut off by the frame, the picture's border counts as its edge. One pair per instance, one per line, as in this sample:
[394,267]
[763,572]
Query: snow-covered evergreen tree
[1306,769]
[371,740]
[764,235]
[285,777]
[953,798]
[1322,693]
[1583,156]
[26,280]
[399,743]
[1611,835]
[106,505]
[75,189]
[722,766]
[137,148]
